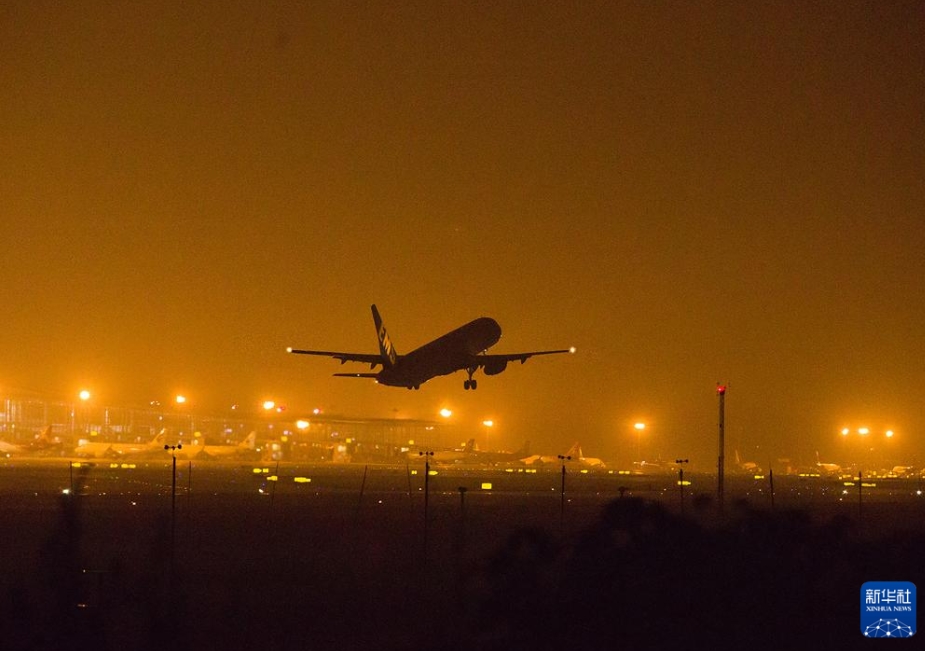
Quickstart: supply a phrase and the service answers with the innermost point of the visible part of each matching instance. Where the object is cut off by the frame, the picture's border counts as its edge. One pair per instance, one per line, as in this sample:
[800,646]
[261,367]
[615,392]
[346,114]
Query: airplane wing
[364,358]
[517,357]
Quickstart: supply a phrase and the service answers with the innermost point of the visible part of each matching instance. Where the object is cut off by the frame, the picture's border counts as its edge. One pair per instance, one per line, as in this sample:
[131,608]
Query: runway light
[486,485]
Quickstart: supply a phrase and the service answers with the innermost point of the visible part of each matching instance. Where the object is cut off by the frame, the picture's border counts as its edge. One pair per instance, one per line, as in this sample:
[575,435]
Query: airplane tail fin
[158,441]
[575,451]
[470,446]
[385,343]
[249,442]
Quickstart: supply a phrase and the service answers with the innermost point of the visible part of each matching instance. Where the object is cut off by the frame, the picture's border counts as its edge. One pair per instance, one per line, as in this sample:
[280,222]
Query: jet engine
[495,366]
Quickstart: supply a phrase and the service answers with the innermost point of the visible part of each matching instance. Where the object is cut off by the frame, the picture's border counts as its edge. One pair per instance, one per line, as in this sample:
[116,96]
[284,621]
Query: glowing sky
[687,192]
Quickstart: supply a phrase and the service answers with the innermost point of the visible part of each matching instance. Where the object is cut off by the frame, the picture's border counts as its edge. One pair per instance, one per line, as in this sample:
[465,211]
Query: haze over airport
[687,193]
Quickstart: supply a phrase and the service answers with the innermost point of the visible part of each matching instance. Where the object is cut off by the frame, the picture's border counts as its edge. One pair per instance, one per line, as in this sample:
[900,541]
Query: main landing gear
[470,383]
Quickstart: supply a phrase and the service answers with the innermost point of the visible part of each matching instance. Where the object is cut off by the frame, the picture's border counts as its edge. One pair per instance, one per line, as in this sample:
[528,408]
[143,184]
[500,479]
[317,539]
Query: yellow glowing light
[181,399]
[273,478]
[84,395]
[486,485]
[302,480]
[268,404]
[572,350]
[446,413]
[488,423]
[864,431]
[302,424]
[640,426]
[889,433]
[845,432]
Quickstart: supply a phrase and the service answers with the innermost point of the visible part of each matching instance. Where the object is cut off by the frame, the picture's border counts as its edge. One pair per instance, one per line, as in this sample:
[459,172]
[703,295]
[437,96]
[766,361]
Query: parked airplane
[7,448]
[749,467]
[195,450]
[463,349]
[574,456]
[119,449]
[828,468]
[41,444]
[449,455]
[470,454]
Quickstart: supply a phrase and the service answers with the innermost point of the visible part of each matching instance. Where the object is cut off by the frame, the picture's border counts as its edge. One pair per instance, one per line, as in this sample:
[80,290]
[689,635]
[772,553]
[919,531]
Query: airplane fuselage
[452,352]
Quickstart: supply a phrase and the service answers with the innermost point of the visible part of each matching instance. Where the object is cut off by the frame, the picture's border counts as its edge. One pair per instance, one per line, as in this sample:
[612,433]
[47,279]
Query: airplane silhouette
[463,349]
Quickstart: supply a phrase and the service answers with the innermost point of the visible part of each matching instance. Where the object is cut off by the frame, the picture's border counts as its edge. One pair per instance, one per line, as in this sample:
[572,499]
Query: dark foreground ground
[341,558]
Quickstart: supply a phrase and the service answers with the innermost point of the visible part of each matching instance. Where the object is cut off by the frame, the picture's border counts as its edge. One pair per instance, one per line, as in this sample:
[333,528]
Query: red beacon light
[720,389]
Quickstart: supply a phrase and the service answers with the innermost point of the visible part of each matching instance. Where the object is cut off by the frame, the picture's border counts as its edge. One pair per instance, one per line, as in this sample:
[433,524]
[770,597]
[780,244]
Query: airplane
[470,454]
[828,468]
[463,349]
[450,455]
[749,467]
[41,444]
[192,450]
[103,449]
[8,449]
[491,457]
[573,456]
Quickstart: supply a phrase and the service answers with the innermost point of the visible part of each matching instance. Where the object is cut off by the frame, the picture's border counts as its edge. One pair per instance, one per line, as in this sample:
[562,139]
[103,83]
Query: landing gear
[470,383]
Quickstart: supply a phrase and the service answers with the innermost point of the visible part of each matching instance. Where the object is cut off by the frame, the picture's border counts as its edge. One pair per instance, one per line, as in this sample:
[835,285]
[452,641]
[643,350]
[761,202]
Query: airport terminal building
[26,416]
